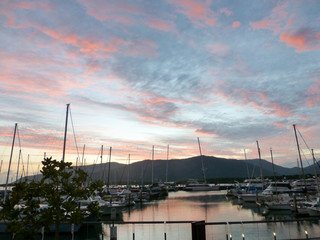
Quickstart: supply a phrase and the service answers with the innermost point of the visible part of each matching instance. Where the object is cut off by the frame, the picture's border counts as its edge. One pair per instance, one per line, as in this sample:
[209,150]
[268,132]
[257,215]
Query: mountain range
[189,168]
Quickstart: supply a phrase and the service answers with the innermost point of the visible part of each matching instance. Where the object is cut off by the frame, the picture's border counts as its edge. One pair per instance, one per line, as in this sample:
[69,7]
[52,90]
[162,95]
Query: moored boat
[194,185]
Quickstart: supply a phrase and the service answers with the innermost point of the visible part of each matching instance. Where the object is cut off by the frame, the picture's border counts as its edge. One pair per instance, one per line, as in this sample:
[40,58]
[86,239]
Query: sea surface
[197,206]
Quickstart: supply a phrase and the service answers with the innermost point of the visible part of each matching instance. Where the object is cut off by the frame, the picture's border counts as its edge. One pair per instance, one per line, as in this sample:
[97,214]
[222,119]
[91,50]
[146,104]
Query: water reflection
[208,206]
[211,207]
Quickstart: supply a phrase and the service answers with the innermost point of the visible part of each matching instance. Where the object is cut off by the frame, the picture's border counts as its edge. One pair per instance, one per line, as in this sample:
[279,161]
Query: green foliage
[61,188]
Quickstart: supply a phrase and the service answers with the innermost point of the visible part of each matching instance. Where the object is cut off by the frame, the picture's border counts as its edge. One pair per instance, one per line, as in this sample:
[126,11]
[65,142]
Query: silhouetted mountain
[190,168]
[184,169]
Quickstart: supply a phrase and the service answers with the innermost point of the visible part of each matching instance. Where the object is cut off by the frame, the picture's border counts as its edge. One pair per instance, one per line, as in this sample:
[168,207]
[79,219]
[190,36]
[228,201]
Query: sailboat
[194,185]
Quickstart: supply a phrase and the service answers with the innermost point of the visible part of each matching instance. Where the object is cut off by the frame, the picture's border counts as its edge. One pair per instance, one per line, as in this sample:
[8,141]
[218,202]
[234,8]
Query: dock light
[274,236]
[230,236]
[306,232]
[243,238]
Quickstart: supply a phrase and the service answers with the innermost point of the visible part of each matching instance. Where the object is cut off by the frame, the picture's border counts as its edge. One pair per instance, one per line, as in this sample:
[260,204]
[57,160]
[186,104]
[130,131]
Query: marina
[172,218]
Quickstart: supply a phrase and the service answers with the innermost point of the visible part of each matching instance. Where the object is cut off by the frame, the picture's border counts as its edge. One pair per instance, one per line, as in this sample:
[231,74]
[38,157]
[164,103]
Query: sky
[139,74]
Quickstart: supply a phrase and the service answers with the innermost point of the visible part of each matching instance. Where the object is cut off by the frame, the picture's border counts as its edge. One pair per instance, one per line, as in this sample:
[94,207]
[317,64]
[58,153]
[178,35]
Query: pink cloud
[198,12]
[219,49]
[119,11]
[84,44]
[236,24]
[94,46]
[291,21]
[226,11]
[304,40]
[142,48]
[266,24]
[126,13]
[281,7]
[280,125]
[27,5]
[160,24]
[275,21]
[258,100]
[31,84]
[313,94]
[9,8]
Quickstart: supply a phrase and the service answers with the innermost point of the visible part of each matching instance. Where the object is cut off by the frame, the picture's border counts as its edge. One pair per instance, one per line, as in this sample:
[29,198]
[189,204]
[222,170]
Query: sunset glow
[144,73]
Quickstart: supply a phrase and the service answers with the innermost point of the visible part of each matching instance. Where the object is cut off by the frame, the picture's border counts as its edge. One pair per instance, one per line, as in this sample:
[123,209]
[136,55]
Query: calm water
[197,206]
[211,207]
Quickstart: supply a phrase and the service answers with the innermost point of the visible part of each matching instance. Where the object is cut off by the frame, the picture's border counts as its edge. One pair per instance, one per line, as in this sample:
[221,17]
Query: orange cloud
[84,44]
[304,40]
[88,45]
[198,12]
[236,24]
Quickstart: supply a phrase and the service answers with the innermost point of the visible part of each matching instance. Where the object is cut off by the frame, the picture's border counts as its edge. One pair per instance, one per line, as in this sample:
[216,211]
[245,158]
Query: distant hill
[189,168]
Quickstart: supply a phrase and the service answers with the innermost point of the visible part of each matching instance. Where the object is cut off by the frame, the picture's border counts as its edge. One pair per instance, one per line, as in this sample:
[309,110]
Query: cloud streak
[141,73]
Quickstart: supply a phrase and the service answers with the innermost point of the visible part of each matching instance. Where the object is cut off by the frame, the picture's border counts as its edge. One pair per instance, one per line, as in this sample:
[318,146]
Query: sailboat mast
[18,165]
[152,164]
[260,161]
[101,155]
[1,165]
[274,173]
[27,167]
[203,170]
[167,167]
[14,137]
[65,134]
[315,171]
[128,177]
[109,169]
[245,159]
[84,147]
[298,147]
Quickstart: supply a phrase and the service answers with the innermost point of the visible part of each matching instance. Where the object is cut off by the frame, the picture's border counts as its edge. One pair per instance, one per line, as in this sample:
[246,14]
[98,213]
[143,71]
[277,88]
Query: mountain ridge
[180,170]
[191,168]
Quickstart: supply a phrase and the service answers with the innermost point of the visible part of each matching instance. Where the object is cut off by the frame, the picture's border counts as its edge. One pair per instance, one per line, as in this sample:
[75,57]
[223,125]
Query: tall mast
[27,167]
[101,155]
[315,171]
[65,134]
[274,174]
[14,137]
[18,165]
[128,177]
[245,159]
[84,147]
[1,165]
[298,147]
[141,175]
[167,167]
[260,161]
[109,169]
[152,164]
[203,170]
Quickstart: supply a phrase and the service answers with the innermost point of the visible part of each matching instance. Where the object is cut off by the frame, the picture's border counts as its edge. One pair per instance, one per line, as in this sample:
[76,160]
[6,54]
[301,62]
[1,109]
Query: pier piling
[198,230]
